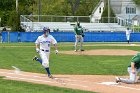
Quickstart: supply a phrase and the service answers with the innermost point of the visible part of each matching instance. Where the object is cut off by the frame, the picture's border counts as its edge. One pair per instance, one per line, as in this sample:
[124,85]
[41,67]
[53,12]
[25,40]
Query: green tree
[48,7]
[26,6]
[4,18]
[9,15]
[104,17]
[74,5]
[6,5]
[14,21]
[86,7]
[137,2]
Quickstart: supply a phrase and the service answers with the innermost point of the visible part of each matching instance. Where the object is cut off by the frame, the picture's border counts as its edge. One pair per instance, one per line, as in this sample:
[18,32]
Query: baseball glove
[83,35]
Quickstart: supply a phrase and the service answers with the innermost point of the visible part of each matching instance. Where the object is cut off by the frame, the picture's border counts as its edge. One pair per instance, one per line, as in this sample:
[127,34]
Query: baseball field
[75,72]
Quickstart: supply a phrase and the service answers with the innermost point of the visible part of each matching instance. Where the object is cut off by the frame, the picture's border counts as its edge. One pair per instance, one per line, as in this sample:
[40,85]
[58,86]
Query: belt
[44,50]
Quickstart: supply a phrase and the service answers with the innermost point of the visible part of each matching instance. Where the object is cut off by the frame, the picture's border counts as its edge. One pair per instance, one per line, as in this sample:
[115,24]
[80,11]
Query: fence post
[0,37]
[8,37]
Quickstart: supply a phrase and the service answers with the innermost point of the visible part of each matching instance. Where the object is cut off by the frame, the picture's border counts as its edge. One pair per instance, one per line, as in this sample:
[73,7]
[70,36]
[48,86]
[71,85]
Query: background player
[133,70]
[43,48]
[79,34]
[128,31]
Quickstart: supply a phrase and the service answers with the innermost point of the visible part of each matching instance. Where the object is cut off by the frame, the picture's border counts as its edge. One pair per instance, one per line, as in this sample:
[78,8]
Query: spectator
[28,29]
[4,29]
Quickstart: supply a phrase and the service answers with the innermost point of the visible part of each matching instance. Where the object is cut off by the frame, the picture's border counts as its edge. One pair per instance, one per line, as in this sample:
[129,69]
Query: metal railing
[31,19]
[53,18]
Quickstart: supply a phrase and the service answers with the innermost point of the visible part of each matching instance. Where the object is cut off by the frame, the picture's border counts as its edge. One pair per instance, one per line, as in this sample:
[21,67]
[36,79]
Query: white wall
[96,16]
[121,11]
[128,3]
[119,6]
[135,22]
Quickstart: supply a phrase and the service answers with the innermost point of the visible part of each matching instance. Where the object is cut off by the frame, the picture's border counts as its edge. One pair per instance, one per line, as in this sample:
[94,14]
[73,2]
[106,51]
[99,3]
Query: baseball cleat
[82,50]
[118,80]
[50,76]
[35,58]
[75,50]
[139,78]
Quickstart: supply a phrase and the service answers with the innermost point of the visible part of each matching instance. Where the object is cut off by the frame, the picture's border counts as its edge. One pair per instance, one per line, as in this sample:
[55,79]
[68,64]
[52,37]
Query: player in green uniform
[79,34]
[133,70]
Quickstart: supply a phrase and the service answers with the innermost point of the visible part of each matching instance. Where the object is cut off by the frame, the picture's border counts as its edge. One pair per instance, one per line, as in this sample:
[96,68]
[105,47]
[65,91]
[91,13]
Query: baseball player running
[128,31]
[79,34]
[133,69]
[43,48]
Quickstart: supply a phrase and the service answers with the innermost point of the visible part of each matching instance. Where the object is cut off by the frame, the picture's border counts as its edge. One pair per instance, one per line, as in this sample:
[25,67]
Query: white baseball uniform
[45,43]
[128,34]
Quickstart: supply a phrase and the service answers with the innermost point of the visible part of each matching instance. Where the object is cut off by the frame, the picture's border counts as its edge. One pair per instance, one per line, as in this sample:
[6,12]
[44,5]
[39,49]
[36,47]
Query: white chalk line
[41,80]
[42,77]
[28,79]
[119,86]
[67,79]
[38,80]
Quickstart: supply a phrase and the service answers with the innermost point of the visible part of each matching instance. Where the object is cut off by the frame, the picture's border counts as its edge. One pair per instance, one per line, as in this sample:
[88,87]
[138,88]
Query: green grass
[60,64]
[65,64]
[10,86]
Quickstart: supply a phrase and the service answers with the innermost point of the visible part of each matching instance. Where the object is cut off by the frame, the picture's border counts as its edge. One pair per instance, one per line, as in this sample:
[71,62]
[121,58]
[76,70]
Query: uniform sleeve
[37,41]
[135,59]
[75,29]
[53,41]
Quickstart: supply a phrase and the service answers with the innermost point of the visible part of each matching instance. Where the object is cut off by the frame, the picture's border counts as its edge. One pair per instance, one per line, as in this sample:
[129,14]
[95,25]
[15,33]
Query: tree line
[10,17]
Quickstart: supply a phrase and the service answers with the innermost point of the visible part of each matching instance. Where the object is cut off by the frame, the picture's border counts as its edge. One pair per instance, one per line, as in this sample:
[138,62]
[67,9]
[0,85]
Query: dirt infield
[95,83]
[119,52]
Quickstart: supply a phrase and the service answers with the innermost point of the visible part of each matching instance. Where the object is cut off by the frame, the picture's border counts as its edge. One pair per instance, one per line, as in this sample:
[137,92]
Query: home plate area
[109,83]
[95,83]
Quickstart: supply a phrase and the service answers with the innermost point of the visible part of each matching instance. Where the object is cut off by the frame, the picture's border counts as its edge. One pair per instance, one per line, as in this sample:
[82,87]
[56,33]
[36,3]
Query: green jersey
[136,60]
[78,30]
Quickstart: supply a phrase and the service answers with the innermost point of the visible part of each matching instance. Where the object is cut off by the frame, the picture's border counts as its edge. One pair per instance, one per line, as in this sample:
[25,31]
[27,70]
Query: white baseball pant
[132,78]
[78,38]
[45,58]
[127,37]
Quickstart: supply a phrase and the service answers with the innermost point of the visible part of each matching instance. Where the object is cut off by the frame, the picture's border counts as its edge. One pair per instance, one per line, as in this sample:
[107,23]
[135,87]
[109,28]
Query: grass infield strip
[10,86]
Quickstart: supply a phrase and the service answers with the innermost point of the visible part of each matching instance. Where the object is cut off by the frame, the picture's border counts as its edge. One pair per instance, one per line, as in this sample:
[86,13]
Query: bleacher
[68,27]
[37,26]
[103,27]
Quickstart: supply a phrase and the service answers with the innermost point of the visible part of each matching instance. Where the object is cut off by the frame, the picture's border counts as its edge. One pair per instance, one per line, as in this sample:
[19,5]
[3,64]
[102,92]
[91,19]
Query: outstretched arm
[55,46]
[37,48]
[56,49]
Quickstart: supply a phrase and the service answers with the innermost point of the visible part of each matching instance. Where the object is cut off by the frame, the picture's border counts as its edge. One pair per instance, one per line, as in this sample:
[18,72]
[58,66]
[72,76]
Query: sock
[81,46]
[48,71]
[39,60]
[128,41]
[75,45]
